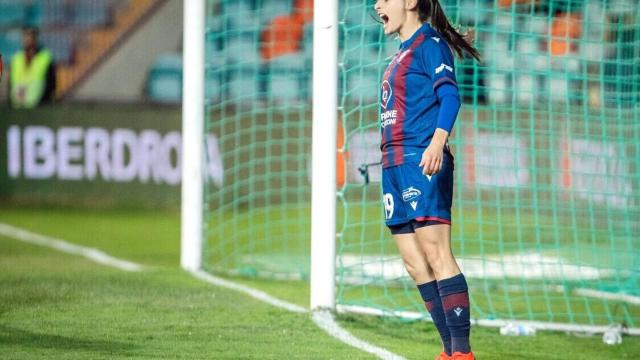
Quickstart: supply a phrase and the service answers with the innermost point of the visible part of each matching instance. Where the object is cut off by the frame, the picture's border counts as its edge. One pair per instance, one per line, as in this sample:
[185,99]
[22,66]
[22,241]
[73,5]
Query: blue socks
[429,293]
[455,302]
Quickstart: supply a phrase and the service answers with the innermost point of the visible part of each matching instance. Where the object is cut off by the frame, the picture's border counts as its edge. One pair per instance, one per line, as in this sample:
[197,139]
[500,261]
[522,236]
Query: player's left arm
[438,64]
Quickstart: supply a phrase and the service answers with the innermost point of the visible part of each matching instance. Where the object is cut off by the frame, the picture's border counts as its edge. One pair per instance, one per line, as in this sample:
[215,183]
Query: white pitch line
[90,253]
[322,319]
[256,294]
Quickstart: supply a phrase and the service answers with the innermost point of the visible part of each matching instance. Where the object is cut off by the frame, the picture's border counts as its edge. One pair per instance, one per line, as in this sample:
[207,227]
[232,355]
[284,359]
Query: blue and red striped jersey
[408,103]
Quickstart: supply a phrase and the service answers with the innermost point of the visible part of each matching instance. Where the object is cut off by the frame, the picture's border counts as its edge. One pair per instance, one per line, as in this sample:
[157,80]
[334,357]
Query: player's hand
[431,161]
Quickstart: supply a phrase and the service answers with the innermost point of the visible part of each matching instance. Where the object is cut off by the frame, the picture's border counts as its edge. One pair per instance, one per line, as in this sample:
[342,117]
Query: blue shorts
[410,197]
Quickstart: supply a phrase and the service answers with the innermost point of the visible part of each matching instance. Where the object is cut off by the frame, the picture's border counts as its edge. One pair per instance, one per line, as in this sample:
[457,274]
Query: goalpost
[325,88]
[193,159]
[323,157]
[545,209]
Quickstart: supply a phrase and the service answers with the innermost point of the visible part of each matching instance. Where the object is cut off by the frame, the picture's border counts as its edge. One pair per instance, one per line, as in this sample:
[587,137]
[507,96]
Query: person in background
[32,75]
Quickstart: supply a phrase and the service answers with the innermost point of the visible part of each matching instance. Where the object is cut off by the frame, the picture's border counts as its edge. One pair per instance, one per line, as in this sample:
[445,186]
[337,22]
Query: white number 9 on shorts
[387,199]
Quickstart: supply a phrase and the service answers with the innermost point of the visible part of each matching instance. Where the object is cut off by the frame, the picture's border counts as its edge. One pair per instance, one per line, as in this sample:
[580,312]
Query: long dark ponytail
[431,10]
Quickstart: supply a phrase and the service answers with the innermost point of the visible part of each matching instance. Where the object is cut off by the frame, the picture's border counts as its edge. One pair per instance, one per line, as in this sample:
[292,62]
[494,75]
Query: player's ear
[410,4]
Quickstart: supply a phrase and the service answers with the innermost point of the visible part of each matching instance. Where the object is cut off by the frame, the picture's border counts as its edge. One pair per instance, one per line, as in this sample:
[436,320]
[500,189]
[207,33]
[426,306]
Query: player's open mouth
[384,18]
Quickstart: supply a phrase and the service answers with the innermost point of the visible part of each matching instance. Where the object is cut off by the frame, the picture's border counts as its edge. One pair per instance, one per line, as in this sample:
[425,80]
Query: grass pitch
[58,306]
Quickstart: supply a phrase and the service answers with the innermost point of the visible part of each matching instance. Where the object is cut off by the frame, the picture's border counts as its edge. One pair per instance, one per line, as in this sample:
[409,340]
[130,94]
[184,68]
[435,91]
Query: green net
[258,73]
[546,207]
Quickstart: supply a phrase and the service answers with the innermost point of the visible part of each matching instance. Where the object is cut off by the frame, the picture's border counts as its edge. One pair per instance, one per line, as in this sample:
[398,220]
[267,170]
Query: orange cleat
[462,356]
[443,356]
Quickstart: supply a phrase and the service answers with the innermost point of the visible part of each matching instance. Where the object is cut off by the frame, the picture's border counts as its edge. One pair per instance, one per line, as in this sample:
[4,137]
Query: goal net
[546,215]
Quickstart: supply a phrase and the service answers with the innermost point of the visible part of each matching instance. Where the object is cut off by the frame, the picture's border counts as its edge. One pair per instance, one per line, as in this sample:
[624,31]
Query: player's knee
[436,258]
[417,271]
[431,248]
[411,269]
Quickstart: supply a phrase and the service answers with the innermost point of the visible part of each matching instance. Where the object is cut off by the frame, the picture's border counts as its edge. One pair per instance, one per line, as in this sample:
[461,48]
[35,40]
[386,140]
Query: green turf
[150,237]
[418,340]
[59,306]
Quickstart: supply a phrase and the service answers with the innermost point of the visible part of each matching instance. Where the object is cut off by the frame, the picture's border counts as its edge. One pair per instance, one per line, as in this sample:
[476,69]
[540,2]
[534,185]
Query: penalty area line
[92,254]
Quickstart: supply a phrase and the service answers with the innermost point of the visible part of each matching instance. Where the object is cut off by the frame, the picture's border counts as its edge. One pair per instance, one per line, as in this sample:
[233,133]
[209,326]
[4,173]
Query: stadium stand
[273,56]
[167,75]
[271,49]
[79,33]
[11,13]
[554,44]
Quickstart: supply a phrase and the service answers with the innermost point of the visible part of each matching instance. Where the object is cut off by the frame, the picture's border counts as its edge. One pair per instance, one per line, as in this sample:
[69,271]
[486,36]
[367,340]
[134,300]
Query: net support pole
[323,167]
[192,135]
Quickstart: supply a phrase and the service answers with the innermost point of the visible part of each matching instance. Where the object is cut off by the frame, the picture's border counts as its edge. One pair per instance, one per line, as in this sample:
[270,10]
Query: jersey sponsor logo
[387,92]
[410,193]
[442,67]
[436,39]
[388,118]
[414,204]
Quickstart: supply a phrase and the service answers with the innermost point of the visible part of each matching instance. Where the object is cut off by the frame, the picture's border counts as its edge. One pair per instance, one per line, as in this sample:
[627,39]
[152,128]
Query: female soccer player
[419,104]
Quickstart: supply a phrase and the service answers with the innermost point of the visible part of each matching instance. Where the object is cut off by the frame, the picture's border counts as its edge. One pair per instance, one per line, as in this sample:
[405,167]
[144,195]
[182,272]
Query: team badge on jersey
[386,94]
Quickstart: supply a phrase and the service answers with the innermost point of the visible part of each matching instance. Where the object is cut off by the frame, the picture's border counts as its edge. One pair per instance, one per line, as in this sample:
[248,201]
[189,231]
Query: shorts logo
[429,177]
[458,311]
[443,66]
[386,94]
[410,194]
[414,204]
